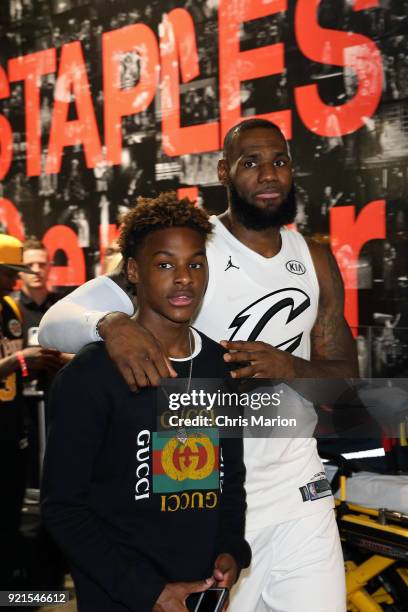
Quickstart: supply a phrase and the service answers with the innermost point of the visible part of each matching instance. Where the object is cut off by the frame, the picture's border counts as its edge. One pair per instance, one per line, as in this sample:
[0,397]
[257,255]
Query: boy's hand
[225,572]
[138,356]
[174,595]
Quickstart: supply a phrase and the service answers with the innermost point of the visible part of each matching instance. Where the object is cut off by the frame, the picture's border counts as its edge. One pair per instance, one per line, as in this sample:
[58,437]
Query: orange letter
[347,236]
[11,219]
[361,5]
[355,51]
[178,43]
[6,133]
[30,68]
[141,40]
[72,79]
[191,193]
[63,238]
[237,66]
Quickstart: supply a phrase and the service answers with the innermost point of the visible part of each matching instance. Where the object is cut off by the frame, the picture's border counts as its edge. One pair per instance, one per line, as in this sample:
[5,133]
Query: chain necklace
[181,432]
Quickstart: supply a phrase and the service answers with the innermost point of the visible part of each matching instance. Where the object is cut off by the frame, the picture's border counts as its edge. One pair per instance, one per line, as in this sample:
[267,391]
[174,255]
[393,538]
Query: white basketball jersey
[274,300]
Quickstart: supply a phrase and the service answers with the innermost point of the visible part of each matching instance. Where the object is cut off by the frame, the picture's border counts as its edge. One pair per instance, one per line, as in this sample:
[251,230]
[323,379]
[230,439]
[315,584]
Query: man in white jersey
[276,302]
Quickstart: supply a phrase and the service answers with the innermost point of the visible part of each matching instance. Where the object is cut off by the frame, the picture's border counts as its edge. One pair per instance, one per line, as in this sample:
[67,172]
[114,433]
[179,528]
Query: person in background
[15,365]
[34,297]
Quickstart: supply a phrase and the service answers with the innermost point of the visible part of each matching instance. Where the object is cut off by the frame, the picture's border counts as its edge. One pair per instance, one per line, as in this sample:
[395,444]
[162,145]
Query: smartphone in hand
[211,600]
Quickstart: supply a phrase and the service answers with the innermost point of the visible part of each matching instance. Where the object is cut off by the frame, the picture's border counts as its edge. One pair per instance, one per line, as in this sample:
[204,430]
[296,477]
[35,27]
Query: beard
[252,217]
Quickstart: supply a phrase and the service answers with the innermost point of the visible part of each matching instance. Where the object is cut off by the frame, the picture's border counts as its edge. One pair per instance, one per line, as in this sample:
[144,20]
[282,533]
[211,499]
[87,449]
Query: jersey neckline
[221,229]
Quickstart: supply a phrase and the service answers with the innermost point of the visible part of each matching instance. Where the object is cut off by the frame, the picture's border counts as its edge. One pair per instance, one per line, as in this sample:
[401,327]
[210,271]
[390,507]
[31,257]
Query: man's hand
[264,361]
[333,350]
[38,358]
[225,573]
[174,595]
[138,356]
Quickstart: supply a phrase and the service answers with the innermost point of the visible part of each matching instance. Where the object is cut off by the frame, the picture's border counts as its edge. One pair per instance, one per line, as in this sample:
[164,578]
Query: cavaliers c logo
[250,322]
[195,459]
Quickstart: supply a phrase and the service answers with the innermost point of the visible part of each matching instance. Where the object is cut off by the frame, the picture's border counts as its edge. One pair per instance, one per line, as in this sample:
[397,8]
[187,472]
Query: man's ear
[223,171]
[132,271]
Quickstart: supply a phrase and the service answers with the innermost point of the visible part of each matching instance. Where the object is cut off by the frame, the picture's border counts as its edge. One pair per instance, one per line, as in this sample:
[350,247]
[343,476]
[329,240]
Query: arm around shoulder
[71,323]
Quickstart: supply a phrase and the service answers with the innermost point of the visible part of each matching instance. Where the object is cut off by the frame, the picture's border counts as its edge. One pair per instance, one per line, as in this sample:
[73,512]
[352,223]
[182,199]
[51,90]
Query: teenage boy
[141,517]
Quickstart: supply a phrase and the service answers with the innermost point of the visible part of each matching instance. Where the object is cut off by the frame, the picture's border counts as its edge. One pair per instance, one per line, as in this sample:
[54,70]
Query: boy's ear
[132,271]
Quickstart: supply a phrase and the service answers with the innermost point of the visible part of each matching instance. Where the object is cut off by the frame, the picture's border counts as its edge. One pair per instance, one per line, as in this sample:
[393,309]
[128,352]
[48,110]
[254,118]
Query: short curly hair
[33,243]
[163,212]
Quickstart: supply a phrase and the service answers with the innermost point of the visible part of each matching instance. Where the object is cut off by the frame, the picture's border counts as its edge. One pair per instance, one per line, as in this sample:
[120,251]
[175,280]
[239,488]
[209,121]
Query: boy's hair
[163,212]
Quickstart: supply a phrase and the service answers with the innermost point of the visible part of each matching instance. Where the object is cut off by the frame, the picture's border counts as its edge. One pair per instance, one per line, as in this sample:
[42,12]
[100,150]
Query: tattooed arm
[333,350]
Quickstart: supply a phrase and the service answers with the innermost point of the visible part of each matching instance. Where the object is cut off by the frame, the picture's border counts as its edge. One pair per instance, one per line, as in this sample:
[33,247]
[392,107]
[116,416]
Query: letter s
[347,49]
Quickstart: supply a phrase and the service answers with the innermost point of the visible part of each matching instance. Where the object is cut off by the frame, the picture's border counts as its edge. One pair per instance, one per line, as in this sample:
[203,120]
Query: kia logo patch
[295,267]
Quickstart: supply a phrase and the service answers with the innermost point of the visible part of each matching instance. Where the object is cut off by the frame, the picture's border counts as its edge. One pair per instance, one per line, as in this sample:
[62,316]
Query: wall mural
[104,100]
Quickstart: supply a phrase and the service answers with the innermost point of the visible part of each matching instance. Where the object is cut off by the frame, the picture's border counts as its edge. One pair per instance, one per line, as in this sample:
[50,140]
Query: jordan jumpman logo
[230,265]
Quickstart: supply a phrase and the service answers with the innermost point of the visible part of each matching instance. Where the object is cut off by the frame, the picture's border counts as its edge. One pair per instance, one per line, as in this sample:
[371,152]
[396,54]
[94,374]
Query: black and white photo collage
[366,165]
